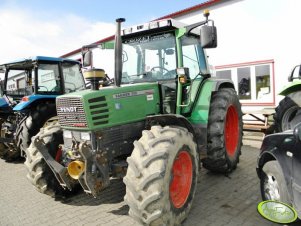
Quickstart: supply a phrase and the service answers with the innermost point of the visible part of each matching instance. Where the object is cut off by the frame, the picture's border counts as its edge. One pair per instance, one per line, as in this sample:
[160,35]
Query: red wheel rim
[179,188]
[231,130]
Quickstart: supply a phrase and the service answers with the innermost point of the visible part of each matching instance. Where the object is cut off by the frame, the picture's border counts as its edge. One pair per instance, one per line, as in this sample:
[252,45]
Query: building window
[254,81]
[263,85]
[244,83]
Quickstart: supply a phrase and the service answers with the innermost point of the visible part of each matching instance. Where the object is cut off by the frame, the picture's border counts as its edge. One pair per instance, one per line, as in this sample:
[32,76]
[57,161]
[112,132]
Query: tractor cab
[166,54]
[41,76]
[28,92]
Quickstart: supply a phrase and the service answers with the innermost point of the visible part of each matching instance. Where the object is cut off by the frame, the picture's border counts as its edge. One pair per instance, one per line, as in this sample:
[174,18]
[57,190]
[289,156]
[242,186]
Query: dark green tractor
[163,116]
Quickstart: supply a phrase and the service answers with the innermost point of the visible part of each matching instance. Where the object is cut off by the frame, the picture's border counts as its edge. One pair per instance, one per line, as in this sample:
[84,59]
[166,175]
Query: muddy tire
[3,151]
[38,172]
[284,114]
[224,134]
[31,125]
[162,176]
[273,184]
[8,149]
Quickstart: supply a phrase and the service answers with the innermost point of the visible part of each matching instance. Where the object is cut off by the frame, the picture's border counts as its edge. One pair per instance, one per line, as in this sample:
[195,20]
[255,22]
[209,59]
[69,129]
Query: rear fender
[200,112]
[29,101]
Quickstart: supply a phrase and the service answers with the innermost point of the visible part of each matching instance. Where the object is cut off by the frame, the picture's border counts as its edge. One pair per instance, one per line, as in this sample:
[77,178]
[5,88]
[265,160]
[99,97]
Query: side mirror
[296,73]
[297,132]
[87,58]
[208,36]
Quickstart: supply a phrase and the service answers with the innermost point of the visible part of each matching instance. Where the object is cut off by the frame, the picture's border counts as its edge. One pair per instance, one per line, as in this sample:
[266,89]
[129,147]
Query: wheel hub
[180,184]
[231,130]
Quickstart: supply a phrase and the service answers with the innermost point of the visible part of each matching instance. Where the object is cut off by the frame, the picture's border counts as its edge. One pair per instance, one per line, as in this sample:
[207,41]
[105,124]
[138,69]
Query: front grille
[71,112]
[99,110]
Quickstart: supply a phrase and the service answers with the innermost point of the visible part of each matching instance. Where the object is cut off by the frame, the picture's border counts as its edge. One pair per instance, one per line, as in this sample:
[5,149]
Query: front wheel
[162,176]
[224,135]
[38,172]
[272,183]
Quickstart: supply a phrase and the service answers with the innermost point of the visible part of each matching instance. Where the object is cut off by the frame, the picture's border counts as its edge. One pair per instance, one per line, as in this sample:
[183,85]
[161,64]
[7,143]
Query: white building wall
[255,30]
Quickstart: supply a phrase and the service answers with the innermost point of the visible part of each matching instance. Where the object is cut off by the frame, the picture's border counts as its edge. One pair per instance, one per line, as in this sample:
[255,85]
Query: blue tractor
[27,103]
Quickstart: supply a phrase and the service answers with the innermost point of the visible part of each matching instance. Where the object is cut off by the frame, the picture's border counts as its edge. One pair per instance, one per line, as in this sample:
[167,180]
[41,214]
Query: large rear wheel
[224,135]
[162,176]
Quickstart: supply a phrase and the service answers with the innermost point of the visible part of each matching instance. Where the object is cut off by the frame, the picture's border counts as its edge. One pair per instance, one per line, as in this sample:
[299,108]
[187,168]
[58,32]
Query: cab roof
[25,63]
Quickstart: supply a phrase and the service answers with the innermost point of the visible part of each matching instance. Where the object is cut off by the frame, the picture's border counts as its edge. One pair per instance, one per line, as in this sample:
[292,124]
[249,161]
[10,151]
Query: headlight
[85,136]
[67,134]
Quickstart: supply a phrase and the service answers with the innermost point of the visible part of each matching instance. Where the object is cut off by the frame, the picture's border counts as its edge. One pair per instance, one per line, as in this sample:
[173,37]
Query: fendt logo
[68,109]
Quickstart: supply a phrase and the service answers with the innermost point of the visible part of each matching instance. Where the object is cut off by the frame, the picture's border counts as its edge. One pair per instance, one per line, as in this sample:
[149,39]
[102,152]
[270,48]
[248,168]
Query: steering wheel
[169,73]
[153,68]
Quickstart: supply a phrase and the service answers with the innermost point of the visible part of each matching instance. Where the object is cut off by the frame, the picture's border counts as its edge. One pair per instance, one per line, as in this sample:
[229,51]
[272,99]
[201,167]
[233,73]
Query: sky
[56,27]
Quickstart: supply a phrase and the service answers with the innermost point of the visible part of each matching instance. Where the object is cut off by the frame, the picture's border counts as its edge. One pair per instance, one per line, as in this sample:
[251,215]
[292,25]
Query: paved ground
[220,200]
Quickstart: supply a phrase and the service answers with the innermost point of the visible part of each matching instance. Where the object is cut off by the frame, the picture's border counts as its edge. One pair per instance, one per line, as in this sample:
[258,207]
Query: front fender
[169,120]
[292,87]
[274,147]
[29,100]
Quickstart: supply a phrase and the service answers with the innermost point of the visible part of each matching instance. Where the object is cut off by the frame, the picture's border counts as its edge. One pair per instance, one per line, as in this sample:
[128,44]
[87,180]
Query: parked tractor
[153,127]
[27,101]
[288,112]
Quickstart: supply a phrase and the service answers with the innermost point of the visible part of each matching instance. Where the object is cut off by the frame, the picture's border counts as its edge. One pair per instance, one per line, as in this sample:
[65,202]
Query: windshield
[73,78]
[49,78]
[149,58]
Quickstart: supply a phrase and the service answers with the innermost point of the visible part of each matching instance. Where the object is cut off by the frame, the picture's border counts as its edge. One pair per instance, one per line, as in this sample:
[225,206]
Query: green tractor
[161,119]
[288,111]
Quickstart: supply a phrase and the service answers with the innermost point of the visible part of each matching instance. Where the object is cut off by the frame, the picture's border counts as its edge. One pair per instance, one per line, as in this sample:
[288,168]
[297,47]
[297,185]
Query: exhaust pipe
[75,169]
[118,52]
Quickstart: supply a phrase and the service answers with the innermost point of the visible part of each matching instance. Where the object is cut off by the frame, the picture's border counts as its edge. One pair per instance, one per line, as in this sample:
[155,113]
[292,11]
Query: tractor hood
[91,110]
